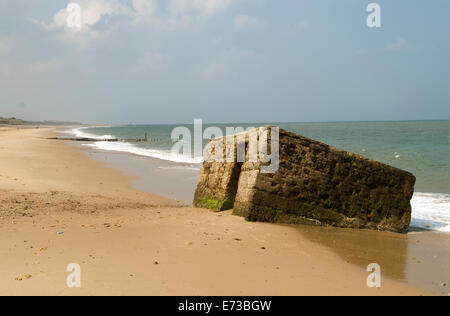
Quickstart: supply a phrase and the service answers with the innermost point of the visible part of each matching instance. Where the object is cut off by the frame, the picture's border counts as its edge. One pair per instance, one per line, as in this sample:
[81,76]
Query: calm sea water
[421,147]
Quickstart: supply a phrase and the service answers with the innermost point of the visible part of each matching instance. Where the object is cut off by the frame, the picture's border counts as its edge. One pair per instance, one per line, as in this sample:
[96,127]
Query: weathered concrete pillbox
[313,184]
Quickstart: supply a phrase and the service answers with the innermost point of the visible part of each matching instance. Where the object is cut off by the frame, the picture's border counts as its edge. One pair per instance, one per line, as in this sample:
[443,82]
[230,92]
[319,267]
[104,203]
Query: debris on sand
[23,277]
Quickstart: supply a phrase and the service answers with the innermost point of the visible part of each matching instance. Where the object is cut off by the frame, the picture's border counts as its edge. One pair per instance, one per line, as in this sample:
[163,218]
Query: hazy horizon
[279,122]
[166,62]
[234,123]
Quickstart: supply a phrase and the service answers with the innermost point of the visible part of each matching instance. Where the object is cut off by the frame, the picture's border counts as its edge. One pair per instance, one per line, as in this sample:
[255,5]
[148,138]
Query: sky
[172,61]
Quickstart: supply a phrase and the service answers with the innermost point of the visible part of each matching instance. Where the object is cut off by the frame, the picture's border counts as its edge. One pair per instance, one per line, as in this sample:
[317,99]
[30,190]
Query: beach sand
[59,207]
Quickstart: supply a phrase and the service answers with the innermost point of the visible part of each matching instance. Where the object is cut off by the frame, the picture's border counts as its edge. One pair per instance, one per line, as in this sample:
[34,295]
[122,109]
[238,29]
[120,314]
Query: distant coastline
[12,121]
[18,121]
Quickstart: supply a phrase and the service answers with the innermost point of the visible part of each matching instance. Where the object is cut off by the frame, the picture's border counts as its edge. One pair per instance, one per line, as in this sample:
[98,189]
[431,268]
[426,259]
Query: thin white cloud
[215,70]
[92,12]
[152,61]
[246,22]
[153,14]
[44,66]
[230,61]
[203,8]
[163,15]
[399,45]
[301,25]
[5,46]
[145,7]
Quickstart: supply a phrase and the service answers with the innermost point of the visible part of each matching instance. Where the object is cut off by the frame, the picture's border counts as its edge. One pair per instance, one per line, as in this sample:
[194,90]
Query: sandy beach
[59,207]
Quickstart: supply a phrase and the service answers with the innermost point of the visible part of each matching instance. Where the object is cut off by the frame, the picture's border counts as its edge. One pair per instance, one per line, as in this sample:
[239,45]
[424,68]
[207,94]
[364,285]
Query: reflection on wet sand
[429,261]
[421,259]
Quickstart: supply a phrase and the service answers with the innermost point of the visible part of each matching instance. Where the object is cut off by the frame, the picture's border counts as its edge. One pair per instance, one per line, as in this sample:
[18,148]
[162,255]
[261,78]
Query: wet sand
[176,181]
[420,259]
[60,207]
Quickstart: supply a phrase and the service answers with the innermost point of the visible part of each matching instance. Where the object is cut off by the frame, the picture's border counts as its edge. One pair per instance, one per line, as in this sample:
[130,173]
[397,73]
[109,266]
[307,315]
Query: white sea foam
[431,211]
[132,149]
[80,133]
[147,152]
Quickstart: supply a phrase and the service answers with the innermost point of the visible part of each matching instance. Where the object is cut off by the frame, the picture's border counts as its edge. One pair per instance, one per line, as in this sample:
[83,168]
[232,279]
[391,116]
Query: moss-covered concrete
[216,205]
[314,184]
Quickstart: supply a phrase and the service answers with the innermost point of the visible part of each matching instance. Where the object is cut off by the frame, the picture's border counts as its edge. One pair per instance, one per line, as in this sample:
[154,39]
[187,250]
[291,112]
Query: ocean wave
[146,152]
[431,211]
[80,133]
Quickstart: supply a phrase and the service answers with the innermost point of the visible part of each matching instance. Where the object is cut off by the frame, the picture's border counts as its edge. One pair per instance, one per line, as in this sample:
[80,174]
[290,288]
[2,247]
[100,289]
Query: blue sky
[155,61]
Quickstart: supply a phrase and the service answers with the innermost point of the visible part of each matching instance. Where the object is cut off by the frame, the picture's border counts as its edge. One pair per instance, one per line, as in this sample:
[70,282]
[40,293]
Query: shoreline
[117,234]
[162,177]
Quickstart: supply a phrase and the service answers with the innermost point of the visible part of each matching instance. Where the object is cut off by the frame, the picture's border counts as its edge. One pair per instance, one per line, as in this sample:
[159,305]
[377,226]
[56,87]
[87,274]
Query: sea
[420,147]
